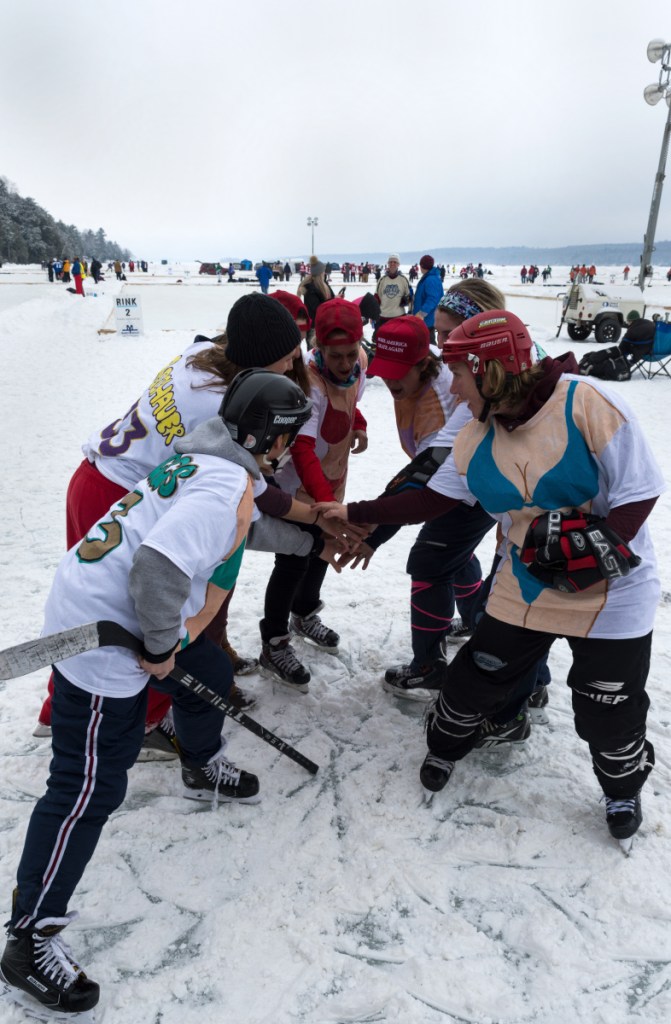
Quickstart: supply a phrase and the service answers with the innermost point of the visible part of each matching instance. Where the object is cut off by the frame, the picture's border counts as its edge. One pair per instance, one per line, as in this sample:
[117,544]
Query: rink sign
[128,314]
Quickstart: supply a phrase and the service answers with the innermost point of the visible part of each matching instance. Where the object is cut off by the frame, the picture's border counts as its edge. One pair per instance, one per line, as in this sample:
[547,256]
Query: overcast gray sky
[207,129]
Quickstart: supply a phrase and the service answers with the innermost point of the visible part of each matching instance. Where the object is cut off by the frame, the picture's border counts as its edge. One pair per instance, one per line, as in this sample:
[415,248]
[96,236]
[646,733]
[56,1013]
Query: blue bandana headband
[460,304]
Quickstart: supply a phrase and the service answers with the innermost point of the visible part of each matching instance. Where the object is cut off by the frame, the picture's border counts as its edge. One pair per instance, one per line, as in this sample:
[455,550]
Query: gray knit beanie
[260,331]
[317,268]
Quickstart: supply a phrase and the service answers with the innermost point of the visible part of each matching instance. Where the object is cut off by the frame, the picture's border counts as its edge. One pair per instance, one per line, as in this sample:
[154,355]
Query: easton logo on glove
[571,551]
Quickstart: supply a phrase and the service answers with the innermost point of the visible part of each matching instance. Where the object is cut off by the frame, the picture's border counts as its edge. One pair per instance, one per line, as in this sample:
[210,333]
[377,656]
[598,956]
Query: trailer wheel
[579,332]
[608,330]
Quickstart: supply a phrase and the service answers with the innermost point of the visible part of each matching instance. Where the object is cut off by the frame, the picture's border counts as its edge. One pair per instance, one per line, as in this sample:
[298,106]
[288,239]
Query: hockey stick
[47,650]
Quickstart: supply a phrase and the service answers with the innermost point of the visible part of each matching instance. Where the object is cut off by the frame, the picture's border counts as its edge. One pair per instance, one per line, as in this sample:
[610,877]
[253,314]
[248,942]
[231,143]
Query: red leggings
[90,495]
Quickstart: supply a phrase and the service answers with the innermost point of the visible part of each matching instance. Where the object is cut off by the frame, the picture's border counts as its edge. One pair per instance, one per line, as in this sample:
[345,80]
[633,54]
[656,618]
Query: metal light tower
[652,94]
[313,222]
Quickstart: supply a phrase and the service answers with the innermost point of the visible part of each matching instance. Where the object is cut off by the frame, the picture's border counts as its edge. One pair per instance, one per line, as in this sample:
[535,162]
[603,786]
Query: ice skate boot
[38,961]
[415,683]
[512,733]
[312,629]
[220,781]
[279,658]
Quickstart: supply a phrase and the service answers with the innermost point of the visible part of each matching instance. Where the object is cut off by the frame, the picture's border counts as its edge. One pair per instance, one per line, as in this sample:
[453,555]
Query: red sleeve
[627,520]
[407,507]
[310,470]
[359,420]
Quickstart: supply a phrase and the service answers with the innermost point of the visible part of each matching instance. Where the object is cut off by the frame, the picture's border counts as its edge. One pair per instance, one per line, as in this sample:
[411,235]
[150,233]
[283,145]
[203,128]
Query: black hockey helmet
[260,406]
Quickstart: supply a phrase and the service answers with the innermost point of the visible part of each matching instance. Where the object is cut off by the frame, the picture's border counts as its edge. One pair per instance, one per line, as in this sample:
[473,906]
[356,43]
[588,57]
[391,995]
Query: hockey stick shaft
[47,650]
[208,695]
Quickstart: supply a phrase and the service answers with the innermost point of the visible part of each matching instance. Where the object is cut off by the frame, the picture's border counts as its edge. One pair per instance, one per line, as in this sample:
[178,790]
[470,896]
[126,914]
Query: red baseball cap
[338,315]
[401,343]
[292,302]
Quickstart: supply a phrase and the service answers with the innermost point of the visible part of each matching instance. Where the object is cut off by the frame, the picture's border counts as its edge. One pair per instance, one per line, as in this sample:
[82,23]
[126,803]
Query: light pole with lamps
[652,94]
[313,222]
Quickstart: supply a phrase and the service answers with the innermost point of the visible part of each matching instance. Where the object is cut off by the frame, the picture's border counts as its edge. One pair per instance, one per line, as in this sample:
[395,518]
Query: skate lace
[430,714]
[167,724]
[615,806]
[219,769]
[52,957]
[284,658]
[314,628]
[432,761]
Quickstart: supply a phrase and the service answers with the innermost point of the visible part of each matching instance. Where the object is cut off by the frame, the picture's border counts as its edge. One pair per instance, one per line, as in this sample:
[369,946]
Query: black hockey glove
[418,472]
[571,551]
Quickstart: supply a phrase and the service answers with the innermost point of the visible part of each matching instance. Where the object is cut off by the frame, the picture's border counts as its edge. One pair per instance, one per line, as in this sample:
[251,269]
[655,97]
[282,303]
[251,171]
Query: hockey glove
[418,472]
[571,551]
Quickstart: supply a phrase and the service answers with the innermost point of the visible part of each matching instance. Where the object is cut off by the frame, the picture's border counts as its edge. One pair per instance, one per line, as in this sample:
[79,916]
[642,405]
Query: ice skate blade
[294,687]
[34,1010]
[626,844]
[538,716]
[427,796]
[416,694]
[207,796]
[313,643]
[42,731]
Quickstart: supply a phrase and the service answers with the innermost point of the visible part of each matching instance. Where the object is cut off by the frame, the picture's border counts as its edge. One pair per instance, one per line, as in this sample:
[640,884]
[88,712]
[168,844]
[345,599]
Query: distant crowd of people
[75,271]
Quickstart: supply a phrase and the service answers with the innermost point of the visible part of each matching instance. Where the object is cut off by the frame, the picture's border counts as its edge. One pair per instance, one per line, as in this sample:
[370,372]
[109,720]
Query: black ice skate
[279,658]
[220,781]
[37,961]
[458,632]
[415,683]
[435,773]
[160,743]
[624,818]
[312,629]
[537,704]
[512,733]
[241,666]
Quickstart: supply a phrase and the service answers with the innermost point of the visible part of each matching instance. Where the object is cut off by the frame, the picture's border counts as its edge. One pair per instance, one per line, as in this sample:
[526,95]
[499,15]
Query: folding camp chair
[659,360]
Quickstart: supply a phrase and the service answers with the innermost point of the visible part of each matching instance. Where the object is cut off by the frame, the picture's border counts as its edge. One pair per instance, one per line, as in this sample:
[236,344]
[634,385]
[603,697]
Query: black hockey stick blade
[49,650]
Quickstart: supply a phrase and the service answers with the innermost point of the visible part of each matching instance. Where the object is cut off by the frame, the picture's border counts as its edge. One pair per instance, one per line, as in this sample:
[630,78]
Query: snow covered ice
[339,898]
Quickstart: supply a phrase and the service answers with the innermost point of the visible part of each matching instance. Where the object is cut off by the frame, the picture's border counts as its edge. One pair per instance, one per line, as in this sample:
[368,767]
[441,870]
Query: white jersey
[194,510]
[176,401]
[583,449]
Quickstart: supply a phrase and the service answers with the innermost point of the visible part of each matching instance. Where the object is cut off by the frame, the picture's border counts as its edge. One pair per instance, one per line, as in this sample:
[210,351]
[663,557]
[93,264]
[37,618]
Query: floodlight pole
[649,237]
[313,222]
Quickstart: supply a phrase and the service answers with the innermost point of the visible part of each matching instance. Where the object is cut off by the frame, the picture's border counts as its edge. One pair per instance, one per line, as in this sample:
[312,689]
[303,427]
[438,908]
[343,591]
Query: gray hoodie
[159,607]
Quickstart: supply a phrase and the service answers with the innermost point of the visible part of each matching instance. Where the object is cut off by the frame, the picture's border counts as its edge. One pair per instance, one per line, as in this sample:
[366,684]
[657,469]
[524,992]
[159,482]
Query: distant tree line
[28,234]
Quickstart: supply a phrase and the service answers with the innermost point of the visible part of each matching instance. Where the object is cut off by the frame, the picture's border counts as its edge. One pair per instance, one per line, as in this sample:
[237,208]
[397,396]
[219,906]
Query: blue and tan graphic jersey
[584,449]
[194,510]
[432,418]
[174,404]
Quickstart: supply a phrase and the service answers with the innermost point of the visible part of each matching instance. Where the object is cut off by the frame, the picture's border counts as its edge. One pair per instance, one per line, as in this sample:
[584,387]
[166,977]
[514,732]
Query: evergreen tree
[28,234]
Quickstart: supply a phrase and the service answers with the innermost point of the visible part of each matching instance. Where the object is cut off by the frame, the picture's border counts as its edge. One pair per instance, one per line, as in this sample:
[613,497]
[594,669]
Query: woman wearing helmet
[185,524]
[561,462]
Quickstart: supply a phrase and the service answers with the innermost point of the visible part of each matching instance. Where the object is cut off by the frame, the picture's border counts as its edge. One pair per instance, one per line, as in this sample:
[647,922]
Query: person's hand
[159,669]
[330,552]
[348,533]
[361,556]
[331,510]
[359,442]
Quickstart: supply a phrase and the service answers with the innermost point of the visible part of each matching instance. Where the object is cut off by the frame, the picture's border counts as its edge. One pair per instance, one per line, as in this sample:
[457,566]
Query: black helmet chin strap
[485,411]
[487,406]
